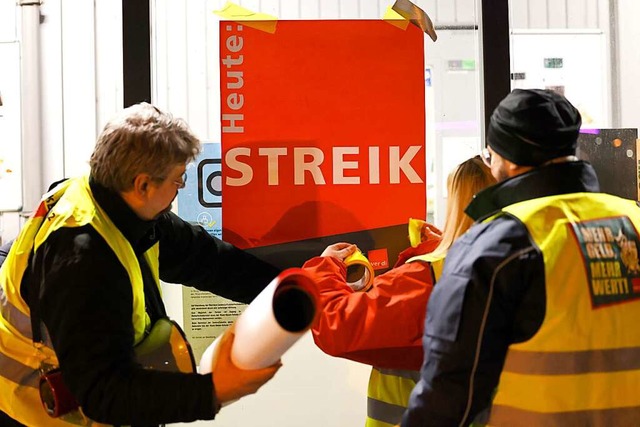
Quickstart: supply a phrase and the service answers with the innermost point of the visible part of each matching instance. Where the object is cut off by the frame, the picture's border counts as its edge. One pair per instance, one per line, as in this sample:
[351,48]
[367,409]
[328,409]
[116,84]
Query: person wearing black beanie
[530,127]
[531,321]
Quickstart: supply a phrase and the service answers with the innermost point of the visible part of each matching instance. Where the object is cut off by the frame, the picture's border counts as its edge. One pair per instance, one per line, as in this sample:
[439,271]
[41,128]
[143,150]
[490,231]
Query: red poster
[323,131]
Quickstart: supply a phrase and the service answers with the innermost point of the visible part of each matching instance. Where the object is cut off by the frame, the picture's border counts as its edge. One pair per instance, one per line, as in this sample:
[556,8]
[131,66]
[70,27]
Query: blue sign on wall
[201,200]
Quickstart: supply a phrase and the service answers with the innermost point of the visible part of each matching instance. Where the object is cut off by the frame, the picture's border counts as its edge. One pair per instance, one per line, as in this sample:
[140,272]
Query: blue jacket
[451,392]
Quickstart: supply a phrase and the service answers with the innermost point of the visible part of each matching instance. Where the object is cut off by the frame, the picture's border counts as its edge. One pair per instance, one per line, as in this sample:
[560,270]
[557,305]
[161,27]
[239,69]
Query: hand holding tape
[366,281]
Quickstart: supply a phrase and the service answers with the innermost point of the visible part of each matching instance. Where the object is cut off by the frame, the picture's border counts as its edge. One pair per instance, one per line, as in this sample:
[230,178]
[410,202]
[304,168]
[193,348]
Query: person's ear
[141,185]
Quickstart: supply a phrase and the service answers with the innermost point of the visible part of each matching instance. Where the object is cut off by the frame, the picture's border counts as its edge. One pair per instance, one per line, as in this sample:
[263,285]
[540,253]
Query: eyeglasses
[183,181]
[486,156]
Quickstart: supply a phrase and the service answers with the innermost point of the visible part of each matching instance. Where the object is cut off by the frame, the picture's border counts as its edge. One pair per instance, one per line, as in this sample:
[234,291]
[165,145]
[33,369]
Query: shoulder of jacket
[490,241]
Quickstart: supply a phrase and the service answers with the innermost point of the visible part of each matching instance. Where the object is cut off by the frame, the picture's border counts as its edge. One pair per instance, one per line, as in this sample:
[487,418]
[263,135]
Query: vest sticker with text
[610,250]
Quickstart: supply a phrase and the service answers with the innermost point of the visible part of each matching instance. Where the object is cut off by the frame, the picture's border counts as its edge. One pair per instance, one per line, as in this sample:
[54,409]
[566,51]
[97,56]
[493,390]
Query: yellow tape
[416,16]
[395,19]
[415,231]
[365,282]
[259,21]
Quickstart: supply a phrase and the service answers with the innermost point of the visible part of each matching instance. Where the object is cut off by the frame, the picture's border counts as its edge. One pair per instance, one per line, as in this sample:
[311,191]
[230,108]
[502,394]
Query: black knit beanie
[532,126]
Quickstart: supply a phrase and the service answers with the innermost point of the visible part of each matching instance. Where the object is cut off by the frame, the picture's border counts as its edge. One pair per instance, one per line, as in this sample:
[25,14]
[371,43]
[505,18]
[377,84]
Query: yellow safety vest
[70,204]
[389,389]
[582,367]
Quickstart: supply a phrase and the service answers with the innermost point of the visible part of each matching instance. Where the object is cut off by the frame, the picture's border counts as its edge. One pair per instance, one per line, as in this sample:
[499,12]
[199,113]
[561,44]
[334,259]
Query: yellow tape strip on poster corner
[395,19]
[260,21]
[404,12]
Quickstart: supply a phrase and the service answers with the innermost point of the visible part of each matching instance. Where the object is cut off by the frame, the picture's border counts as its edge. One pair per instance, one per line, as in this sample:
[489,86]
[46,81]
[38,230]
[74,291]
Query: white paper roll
[272,323]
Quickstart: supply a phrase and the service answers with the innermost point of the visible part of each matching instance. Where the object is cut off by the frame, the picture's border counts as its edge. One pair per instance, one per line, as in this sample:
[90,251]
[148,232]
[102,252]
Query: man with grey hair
[81,288]
[533,322]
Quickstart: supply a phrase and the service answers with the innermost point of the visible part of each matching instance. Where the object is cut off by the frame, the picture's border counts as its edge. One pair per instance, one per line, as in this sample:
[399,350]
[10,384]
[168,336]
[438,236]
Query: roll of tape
[364,283]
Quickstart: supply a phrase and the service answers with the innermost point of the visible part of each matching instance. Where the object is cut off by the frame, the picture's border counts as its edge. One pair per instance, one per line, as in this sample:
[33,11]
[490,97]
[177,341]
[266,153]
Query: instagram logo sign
[210,183]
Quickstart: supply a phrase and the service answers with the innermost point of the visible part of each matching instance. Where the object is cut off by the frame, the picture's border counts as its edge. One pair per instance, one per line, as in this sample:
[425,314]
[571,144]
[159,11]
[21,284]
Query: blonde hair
[463,183]
[141,139]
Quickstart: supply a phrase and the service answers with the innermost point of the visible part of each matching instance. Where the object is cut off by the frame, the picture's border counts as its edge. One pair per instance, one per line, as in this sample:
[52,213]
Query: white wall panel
[329,9]
[8,21]
[196,66]
[350,10]
[431,7]
[159,54]
[576,14]
[465,11]
[254,5]
[519,13]
[177,52]
[289,9]
[52,102]
[309,9]
[446,12]
[592,13]
[109,79]
[81,80]
[557,14]
[271,7]
[212,53]
[12,160]
[79,84]
[537,14]
[369,9]
[382,6]
[9,18]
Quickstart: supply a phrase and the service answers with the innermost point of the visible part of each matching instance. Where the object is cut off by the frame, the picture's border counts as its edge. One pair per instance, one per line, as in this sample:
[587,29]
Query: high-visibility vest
[70,204]
[582,367]
[389,389]
[388,395]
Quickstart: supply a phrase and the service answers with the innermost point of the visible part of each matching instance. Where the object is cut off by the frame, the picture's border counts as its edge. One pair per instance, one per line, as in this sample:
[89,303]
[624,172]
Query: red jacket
[382,327]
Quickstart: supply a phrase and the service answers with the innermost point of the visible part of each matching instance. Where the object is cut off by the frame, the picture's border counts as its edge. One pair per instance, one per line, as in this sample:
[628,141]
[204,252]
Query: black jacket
[86,305]
[466,320]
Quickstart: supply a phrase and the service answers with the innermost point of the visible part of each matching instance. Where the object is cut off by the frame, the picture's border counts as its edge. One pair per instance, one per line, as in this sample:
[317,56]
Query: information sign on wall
[206,315]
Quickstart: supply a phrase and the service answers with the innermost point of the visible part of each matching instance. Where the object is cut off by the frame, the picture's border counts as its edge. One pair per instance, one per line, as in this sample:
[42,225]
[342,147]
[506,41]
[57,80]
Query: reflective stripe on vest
[18,373]
[573,362]
[70,204]
[388,395]
[619,417]
[17,319]
[582,367]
